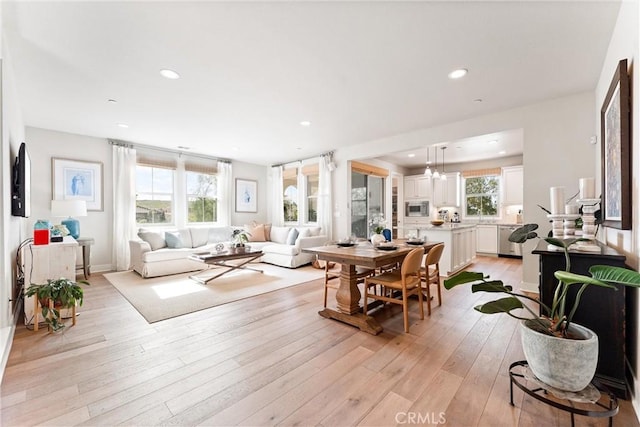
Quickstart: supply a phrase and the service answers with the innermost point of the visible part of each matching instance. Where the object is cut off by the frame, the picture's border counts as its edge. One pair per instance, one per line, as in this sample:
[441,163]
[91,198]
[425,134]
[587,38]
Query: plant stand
[595,401]
[36,313]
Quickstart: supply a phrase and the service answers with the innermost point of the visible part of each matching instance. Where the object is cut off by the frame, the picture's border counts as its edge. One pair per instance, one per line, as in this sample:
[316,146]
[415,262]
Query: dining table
[363,254]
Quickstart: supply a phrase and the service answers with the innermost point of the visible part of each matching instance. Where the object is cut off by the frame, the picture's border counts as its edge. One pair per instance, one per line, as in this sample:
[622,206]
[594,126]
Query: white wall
[624,44]
[12,231]
[556,152]
[255,172]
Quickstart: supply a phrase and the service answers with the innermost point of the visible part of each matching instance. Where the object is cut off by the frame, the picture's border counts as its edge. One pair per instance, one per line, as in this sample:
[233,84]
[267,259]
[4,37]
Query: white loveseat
[159,253]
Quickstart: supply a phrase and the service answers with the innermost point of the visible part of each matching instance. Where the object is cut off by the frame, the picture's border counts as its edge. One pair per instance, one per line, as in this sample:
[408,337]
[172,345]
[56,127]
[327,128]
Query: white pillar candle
[587,188]
[557,200]
[571,209]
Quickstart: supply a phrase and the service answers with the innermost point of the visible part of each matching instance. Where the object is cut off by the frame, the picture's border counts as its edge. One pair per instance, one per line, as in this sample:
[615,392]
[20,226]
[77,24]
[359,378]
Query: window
[202,205]
[481,196]
[311,187]
[154,195]
[290,186]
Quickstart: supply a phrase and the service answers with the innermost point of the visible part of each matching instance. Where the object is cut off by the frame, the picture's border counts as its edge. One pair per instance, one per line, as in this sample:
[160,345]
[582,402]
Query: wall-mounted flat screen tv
[21,184]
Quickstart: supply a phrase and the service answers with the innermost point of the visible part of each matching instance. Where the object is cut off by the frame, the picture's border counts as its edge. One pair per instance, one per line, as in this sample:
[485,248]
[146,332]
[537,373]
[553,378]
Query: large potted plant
[64,293]
[559,352]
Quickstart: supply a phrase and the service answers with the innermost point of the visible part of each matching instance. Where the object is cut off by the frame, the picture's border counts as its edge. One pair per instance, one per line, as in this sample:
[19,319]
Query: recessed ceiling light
[123,125]
[456,74]
[182,147]
[411,155]
[502,152]
[298,148]
[305,123]
[235,148]
[493,141]
[477,100]
[112,101]
[169,74]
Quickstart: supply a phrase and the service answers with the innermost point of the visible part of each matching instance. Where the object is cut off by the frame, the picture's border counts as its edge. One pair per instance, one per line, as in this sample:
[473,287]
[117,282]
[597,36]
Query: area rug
[161,298]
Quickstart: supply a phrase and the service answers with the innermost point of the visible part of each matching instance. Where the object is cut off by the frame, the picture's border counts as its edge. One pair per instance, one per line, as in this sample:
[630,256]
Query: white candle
[571,209]
[587,188]
[557,200]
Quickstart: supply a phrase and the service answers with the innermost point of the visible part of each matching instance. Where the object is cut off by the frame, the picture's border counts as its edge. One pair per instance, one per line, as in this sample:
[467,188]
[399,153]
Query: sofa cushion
[267,232]
[256,232]
[173,240]
[279,234]
[199,236]
[185,236]
[313,231]
[281,249]
[220,234]
[154,239]
[304,232]
[292,236]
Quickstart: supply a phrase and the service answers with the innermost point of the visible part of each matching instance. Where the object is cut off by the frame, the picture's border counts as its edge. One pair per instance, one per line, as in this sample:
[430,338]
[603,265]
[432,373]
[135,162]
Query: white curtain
[225,192]
[277,196]
[124,204]
[325,217]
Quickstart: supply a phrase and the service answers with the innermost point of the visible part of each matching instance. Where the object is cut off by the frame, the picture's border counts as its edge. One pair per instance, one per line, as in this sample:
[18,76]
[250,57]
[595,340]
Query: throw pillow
[304,232]
[173,240]
[256,232]
[292,237]
[155,240]
[279,234]
[267,232]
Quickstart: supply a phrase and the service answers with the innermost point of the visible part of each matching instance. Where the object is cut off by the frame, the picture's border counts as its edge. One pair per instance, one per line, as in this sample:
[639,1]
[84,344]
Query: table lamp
[69,209]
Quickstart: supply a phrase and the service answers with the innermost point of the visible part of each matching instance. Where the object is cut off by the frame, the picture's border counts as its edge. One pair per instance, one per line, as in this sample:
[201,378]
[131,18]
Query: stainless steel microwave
[416,208]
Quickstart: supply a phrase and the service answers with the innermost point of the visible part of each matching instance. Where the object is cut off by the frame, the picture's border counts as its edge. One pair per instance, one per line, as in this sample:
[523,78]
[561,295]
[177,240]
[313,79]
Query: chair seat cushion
[393,279]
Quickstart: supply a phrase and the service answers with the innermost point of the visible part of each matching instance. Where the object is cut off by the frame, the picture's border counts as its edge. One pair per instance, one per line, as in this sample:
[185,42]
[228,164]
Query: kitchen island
[459,243]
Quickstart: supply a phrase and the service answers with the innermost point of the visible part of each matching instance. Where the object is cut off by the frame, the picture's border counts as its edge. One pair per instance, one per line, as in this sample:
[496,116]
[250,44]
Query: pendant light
[443,176]
[427,171]
[436,174]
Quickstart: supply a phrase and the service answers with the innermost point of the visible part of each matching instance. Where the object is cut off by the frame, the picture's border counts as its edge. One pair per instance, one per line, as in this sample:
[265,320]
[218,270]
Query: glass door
[367,203]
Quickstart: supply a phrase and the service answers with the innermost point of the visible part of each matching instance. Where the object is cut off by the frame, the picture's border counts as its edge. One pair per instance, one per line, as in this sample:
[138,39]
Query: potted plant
[63,292]
[240,238]
[558,351]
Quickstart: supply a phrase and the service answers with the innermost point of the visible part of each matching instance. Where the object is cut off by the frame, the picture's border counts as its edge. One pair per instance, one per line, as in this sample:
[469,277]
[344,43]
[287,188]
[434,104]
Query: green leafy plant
[63,292]
[556,318]
[240,237]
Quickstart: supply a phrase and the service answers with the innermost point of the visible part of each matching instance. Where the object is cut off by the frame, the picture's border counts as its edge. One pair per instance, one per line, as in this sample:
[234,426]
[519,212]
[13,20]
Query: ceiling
[251,72]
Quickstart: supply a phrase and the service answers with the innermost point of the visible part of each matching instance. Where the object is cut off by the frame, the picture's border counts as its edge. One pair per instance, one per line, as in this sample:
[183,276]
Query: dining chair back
[431,273]
[406,279]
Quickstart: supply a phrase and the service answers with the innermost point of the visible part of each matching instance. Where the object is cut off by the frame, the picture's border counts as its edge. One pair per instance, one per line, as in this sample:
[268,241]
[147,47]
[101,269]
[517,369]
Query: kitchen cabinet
[512,183]
[487,239]
[459,245]
[606,312]
[447,192]
[417,187]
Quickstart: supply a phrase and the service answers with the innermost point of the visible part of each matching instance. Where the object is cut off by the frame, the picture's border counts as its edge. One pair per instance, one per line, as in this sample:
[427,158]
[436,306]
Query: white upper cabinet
[512,183]
[417,187]
[447,192]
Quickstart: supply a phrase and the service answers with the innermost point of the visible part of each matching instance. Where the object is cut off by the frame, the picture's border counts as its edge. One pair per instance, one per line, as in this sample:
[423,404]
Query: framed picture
[246,195]
[77,180]
[616,152]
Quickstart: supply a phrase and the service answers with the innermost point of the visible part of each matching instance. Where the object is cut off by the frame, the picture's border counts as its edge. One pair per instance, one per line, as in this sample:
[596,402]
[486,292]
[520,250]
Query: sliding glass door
[367,203]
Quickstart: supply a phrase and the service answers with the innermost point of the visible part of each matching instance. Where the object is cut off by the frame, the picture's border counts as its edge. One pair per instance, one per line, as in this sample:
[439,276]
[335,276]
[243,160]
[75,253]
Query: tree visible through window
[290,186]
[482,196]
[202,205]
[154,195]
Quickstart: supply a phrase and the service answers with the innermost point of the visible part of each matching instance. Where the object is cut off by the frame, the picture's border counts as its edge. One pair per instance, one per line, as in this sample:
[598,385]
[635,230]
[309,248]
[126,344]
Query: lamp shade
[68,208]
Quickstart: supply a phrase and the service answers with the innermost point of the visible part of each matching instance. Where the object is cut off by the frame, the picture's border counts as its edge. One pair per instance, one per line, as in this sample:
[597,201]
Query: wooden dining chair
[405,279]
[430,273]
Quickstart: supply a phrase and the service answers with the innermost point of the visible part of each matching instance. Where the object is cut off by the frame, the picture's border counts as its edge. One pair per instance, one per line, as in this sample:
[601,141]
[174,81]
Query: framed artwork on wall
[616,152]
[246,195]
[77,180]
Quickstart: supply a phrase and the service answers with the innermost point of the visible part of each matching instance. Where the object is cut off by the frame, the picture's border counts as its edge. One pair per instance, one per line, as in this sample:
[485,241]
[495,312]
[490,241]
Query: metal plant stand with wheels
[595,401]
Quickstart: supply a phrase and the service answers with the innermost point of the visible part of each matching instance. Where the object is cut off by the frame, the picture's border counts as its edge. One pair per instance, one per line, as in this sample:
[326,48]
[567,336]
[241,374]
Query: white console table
[42,262]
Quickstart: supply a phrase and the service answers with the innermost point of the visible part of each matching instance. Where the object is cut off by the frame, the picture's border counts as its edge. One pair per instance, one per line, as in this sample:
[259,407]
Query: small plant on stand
[64,293]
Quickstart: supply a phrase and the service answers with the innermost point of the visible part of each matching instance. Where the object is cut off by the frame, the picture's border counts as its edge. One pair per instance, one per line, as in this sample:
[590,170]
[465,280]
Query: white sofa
[151,257]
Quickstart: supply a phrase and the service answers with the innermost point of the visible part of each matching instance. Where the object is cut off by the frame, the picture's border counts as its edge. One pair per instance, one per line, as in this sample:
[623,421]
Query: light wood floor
[273,360]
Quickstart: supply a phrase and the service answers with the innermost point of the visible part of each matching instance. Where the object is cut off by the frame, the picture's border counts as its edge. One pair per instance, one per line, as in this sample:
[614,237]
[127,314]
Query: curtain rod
[327,153]
[166,150]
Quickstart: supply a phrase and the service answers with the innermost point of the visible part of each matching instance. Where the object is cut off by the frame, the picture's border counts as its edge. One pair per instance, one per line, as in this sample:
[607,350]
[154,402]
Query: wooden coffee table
[220,259]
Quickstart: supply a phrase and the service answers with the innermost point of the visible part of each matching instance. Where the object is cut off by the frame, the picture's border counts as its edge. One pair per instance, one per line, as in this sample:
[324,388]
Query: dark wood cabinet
[602,310]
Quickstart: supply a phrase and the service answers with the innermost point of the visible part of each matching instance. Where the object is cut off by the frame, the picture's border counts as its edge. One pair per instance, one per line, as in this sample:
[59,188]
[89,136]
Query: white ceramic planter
[376,239]
[566,364]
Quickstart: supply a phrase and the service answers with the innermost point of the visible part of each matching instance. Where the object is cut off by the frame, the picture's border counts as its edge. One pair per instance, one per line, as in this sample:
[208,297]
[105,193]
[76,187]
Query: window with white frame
[482,191]
[154,194]
[202,205]
[300,199]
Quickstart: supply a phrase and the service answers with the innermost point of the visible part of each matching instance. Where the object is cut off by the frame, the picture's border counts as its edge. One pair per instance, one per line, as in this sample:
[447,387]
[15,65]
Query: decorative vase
[563,363]
[377,238]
